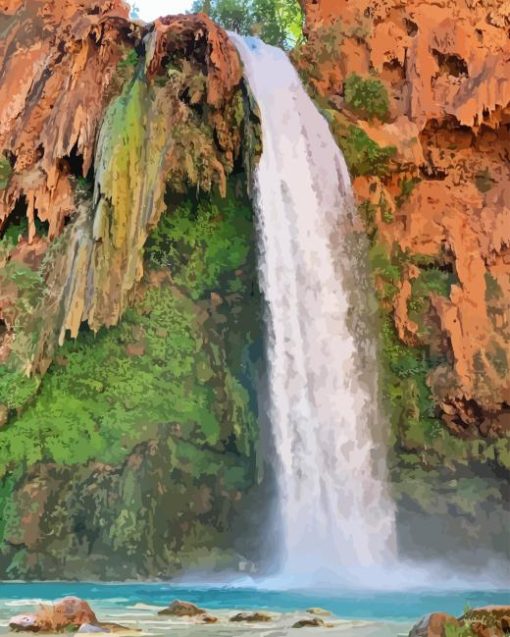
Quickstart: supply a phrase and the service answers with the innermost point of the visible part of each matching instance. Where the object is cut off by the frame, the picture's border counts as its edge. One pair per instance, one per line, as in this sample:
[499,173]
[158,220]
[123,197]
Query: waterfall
[335,515]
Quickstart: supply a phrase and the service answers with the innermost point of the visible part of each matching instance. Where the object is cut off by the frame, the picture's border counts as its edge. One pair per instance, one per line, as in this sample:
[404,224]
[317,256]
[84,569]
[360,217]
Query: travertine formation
[86,101]
[444,202]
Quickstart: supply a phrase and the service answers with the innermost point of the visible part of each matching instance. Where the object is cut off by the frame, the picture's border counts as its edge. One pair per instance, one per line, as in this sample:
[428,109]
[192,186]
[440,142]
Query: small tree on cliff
[277,22]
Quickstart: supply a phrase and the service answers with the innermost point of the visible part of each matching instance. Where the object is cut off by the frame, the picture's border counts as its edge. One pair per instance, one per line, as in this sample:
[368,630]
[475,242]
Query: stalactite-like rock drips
[127,107]
[444,200]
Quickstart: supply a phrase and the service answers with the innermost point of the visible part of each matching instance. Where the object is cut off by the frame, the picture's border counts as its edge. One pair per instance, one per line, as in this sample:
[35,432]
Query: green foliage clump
[458,630]
[16,389]
[201,241]
[363,155]
[152,422]
[493,290]
[387,272]
[406,188]
[130,60]
[116,388]
[430,281]
[5,172]
[12,233]
[405,372]
[278,22]
[160,365]
[367,97]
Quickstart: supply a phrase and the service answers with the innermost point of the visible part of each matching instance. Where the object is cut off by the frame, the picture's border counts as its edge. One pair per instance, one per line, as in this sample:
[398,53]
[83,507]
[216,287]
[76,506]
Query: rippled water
[136,606]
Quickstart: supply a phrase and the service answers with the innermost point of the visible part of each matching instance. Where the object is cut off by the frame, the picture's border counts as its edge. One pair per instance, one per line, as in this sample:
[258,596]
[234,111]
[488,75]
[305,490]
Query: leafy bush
[5,172]
[201,241]
[162,365]
[366,97]
[278,22]
[363,155]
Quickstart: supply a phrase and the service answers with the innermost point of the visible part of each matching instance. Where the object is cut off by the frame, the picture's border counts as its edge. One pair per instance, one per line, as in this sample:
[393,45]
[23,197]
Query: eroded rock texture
[418,96]
[124,158]
[86,102]
[446,70]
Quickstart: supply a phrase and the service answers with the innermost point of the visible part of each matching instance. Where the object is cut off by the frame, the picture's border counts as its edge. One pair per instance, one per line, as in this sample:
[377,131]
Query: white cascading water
[335,514]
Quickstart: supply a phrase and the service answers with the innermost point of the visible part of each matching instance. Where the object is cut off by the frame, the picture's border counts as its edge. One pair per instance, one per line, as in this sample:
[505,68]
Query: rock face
[251,618]
[488,621]
[67,99]
[445,70]
[125,151]
[433,625]
[418,96]
[69,612]
[182,609]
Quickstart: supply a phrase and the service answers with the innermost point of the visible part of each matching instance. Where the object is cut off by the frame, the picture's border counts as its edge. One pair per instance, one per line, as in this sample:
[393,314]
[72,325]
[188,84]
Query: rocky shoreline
[74,615]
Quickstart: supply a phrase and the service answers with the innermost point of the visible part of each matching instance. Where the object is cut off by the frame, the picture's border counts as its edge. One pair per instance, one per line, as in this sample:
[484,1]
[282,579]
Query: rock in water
[92,628]
[489,613]
[75,611]
[64,613]
[24,623]
[182,609]
[209,619]
[319,612]
[316,622]
[251,618]
[432,625]
[111,627]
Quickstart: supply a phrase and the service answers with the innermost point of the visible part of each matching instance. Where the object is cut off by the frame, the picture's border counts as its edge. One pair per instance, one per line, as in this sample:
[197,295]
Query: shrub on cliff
[366,97]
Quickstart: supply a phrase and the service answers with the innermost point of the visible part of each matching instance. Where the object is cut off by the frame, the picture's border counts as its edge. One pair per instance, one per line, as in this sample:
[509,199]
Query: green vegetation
[430,281]
[493,290]
[455,630]
[406,189]
[202,241]
[177,375]
[367,97]
[5,172]
[484,181]
[362,154]
[130,60]
[498,359]
[278,22]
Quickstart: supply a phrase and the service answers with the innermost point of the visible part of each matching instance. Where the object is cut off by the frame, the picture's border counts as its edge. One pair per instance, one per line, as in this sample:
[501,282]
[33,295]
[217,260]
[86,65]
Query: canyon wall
[418,96]
[129,308]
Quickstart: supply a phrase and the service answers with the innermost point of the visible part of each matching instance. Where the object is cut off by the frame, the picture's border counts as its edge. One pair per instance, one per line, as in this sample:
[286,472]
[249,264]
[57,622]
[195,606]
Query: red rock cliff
[444,200]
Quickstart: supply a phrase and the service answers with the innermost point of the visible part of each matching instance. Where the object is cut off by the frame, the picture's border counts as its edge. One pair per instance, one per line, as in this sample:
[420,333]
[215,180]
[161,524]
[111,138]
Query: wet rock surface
[182,609]
[251,618]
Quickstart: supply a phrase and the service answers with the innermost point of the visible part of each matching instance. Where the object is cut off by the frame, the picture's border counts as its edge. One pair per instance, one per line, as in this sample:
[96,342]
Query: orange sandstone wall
[446,69]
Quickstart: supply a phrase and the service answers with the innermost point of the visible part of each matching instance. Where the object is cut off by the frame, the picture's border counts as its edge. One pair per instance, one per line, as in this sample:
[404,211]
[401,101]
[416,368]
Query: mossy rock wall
[136,451]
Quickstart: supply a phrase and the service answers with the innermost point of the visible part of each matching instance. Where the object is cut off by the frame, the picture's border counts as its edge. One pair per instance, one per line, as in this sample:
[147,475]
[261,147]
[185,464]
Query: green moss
[498,359]
[362,154]
[386,212]
[493,290]
[16,389]
[484,181]
[5,172]
[171,386]
[430,281]
[367,97]
[130,60]
[406,189]
[202,241]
